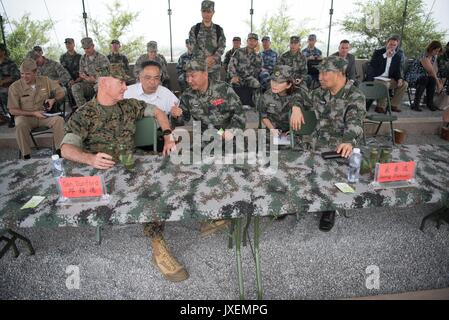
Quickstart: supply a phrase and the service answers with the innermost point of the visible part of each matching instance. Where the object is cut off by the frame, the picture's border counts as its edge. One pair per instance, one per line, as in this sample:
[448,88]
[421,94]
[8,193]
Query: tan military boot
[207,228]
[166,263]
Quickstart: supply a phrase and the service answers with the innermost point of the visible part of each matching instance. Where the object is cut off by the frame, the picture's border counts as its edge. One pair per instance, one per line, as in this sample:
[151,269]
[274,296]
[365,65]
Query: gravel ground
[298,260]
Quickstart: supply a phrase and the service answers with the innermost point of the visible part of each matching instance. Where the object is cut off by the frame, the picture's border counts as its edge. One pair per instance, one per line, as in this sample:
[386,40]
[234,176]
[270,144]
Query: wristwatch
[166,132]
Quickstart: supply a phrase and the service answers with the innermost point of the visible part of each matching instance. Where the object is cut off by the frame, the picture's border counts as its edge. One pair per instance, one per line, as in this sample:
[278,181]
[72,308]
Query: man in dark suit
[386,63]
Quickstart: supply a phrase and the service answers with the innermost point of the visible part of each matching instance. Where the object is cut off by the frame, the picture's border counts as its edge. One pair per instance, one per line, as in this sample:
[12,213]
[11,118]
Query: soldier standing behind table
[208,40]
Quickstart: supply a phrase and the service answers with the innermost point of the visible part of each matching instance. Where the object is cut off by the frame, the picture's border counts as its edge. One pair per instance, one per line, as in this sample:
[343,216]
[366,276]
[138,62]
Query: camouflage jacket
[246,65]
[119,58]
[182,61]
[9,69]
[340,117]
[276,108]
[160,59]
[219,107]
[55,71]
[71,63]
[297,61]
[307,52]
[90,67]
[270,59]
[93,127]
[228,57]
[206,44]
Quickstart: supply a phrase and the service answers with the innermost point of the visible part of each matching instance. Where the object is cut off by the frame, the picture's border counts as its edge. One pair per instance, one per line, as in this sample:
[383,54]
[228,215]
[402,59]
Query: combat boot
[171,269]
[207,228]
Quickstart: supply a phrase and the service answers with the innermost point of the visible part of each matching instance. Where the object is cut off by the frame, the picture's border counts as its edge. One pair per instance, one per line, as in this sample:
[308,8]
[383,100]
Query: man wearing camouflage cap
[244,70]
[71,60]
[281,98]
[216,106]
[269,59]
[50,68]
[90,62]
[8,74]
[180,66]
[209,41]
[340,109]
[26,99]
[295,59]
[153,55]
[109,120]
[236,44]
[311,52]
[116,57]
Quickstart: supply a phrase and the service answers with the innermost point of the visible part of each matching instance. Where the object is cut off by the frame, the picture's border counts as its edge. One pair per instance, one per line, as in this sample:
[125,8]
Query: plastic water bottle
[354,165]
[58,168]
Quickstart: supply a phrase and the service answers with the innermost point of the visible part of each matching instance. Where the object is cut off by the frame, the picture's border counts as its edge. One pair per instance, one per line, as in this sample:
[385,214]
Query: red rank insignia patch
[217,102]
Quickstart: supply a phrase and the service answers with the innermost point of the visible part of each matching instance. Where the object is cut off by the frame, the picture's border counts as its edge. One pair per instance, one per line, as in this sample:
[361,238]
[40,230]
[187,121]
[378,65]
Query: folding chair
[146,133]
[374,90]
[310,122]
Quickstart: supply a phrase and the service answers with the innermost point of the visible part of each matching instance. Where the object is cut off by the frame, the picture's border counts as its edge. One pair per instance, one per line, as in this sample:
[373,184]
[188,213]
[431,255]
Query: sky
[153,22]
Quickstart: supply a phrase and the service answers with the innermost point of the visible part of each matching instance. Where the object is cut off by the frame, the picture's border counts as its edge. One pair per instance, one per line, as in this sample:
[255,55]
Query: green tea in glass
[126,157]
[373,157]
[385,155]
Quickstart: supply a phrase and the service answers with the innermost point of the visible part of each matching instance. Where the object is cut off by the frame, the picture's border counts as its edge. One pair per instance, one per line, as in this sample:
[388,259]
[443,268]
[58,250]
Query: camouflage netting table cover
[159,189]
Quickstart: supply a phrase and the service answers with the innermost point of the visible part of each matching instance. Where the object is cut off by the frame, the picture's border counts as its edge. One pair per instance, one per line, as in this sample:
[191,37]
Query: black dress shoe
[416,108]
[432,108]
[327,221]
[26,157]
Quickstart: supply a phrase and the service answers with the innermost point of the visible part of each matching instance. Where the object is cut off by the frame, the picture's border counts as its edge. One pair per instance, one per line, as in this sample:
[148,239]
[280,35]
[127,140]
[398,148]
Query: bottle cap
[356,150]
[55,157]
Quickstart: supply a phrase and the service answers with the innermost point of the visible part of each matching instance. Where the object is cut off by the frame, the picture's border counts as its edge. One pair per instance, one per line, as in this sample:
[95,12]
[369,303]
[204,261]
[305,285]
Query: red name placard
[396,171]
[79,187]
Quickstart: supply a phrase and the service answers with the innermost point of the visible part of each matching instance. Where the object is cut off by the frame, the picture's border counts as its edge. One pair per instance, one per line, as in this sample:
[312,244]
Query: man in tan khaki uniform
[26,98]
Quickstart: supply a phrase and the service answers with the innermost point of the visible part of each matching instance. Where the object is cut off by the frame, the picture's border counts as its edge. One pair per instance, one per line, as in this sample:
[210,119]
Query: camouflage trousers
[82,92]
[153,229]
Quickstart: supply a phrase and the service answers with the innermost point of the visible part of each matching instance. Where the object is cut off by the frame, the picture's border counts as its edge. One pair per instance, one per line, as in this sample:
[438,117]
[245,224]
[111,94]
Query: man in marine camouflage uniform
[244,70]
[116,57]
[270,59]
[208,40]
[108,120]
[90,62]
[182,61]
[152,55]
[340,109]
[8,74]
[50,68]
[295,59]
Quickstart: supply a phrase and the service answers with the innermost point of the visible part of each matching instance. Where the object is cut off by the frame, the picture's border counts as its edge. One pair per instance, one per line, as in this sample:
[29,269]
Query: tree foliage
[280,27]
[116,27]
[371,33]
[26,34]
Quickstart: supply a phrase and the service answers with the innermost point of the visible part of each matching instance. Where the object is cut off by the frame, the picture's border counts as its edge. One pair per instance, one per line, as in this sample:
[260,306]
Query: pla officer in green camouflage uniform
[215,104]
[281,99]
[295,59]
[180,66]
[208,40]
[90,62]
[110,119]
[340,109]
[8,74]
[116,57]
[71,60]
[152,55]
[339,106]
[244,70]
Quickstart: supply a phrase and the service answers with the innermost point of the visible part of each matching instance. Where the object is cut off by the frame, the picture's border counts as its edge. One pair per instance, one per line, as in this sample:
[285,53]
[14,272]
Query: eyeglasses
[149,78]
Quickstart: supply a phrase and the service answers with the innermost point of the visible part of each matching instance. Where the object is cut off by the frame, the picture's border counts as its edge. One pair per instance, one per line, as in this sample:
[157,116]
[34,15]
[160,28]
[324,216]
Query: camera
[47,106]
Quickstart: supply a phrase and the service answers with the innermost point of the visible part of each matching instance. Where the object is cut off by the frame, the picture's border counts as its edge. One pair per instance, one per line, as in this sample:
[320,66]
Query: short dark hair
[344,41]
[433,46]
[152,63]
[394,37]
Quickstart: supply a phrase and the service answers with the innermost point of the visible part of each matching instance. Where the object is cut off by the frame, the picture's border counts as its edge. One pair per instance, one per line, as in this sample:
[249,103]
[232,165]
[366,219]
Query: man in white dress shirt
[149,88]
